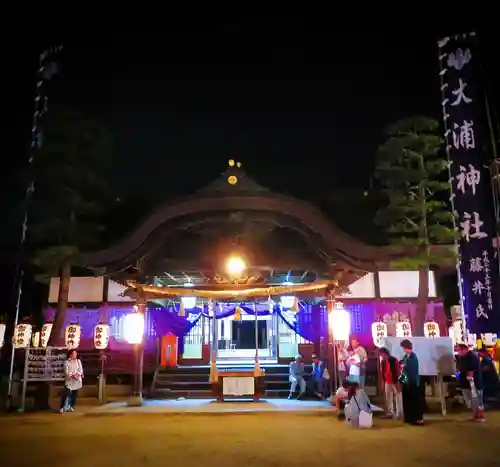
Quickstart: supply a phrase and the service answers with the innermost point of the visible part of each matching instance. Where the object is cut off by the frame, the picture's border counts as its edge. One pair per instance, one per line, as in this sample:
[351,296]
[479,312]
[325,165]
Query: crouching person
[340,399]
[358,411]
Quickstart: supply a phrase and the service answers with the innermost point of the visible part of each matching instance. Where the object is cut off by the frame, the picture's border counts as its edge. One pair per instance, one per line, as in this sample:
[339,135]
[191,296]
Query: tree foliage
[71,194]
[412,170]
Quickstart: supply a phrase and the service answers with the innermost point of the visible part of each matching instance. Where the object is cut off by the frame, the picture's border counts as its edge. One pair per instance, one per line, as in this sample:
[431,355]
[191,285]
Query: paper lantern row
[24,335]
[2,334]
[403,330]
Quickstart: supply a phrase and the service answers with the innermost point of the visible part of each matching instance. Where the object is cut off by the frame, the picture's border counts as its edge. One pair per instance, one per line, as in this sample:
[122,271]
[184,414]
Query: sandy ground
[262,439]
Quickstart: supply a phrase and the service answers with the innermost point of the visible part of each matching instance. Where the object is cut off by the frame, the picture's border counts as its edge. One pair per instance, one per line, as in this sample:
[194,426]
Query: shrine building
[236,275]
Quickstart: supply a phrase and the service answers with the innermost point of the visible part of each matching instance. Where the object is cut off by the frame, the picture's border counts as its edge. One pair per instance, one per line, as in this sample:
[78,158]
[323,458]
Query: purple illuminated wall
[362,316]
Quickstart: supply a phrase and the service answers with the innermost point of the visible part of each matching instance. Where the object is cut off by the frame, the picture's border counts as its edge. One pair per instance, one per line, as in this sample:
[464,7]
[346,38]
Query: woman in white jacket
[358,402]
[73,381]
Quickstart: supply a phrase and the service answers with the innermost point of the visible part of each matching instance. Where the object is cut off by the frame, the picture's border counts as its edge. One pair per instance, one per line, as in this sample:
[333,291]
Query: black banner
[467,142]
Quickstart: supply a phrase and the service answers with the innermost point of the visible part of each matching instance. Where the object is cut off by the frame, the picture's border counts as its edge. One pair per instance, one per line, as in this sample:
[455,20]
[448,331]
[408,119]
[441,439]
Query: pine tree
[412,169]
[71,194]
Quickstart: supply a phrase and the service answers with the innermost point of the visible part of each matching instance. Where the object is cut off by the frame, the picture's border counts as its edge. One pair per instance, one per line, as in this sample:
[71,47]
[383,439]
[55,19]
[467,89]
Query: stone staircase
[192,381]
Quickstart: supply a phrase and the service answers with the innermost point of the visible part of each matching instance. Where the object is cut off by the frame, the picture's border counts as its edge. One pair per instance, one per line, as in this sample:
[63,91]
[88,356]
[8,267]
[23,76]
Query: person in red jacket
[392,389]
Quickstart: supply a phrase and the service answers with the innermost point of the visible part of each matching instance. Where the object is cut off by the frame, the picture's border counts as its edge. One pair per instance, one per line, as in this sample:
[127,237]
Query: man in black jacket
[389,370]
[471,381]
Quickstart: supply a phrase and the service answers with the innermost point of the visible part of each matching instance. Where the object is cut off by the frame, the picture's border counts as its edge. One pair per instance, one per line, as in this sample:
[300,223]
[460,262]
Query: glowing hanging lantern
[134,328]
[431,329]
[182,309]
[188,302]
[403,329]
[22,336]
[340,321]
[101,336]
[471,340]
[3,328]
[237,314]
[45,334]
[489,339]
[451,334]
[379,332]
[458,332]
[35,339]
[72,336]
[287,301]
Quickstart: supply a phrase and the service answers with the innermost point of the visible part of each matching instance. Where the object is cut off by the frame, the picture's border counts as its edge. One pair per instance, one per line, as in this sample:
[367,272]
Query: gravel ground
[241,440]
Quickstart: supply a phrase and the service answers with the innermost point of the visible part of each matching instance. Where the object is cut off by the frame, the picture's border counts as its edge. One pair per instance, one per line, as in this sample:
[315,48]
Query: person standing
[354,366]
[471,381]
[413,410]
[363,358]
[297,371]
[73,381]
[392,388]
[491,382]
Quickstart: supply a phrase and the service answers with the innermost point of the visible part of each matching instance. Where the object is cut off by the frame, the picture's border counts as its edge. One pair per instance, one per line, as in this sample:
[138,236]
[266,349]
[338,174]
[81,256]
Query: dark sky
[301,101]
[301,105]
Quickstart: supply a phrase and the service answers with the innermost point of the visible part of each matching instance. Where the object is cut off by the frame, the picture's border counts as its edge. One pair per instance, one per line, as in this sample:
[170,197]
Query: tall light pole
[47,68]
[134,334]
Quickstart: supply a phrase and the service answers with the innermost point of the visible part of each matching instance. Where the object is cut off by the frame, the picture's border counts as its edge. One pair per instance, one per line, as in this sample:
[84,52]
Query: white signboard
[238,386]
[435,355]
[81,290]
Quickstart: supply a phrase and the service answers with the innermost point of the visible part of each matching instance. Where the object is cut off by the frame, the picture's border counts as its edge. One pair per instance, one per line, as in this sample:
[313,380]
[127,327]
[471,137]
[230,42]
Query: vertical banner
[466,139]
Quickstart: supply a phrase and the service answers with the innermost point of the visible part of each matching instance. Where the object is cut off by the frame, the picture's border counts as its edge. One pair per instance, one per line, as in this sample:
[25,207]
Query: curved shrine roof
[235,191]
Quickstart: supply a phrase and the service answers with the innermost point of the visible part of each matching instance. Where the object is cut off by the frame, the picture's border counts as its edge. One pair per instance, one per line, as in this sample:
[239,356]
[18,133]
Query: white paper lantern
[101,336]
[379,332]
[458,332]
[134,328]
[403,329]
[340,321]
[73,334]
[22,336]
[188,302]
[45,334]
[3,328]
[35,339]
[489,339]
[471,340]
[431,329]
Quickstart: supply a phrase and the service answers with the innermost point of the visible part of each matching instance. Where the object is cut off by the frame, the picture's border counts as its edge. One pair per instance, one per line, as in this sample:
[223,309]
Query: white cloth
[73,372]
[354,365]
[393,400]
[362,355]
[294,380]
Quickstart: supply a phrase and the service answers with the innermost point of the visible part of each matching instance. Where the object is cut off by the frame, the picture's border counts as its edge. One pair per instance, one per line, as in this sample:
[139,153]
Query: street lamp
[134,328]
[134,334]
[235,266]
[340,323]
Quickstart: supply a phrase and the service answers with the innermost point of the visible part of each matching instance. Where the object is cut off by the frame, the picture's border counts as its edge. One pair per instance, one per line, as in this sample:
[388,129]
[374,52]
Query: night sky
[301,104]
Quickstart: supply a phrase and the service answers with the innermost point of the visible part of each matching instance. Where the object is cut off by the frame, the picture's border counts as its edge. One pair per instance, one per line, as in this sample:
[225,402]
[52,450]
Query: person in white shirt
[340,398]
[73,381]
[297,372]
[363,357]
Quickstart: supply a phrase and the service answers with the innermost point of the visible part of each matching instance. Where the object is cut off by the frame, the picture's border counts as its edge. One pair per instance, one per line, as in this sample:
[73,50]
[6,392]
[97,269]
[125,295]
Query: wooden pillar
[213,348]
[257,363]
